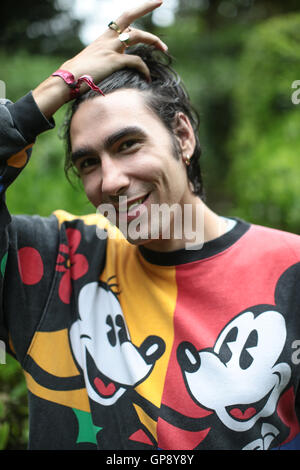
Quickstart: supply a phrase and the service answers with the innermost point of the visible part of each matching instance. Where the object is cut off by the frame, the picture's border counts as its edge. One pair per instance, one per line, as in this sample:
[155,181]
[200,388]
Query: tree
[38,27]
[265,142]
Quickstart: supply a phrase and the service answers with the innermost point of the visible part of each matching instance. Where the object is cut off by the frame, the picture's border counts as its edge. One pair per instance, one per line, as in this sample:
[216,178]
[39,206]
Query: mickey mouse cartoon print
[102,347]
[245,381]
[242,376]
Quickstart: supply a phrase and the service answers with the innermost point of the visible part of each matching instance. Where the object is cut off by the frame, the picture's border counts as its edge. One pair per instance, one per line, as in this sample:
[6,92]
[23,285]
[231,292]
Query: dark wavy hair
[165,95]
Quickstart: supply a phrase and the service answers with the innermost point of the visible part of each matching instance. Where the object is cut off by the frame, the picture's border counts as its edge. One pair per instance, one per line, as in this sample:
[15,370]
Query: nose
[152,349]
[114,178]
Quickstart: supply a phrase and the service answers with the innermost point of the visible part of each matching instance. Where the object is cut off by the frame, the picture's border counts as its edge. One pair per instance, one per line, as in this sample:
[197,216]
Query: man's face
[121,148]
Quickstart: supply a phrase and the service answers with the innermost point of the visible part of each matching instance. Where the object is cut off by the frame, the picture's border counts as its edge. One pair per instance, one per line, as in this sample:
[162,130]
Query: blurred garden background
[238,60]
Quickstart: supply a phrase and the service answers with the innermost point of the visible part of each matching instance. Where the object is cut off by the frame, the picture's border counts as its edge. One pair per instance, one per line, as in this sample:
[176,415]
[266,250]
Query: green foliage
[207,63]
[43,185]
[265,142]
[13,406]
[39,27]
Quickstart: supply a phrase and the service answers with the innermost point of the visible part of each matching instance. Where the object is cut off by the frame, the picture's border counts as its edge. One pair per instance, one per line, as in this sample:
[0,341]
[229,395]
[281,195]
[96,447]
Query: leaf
[87,430]
[3,264]
[4,433]
[2,410]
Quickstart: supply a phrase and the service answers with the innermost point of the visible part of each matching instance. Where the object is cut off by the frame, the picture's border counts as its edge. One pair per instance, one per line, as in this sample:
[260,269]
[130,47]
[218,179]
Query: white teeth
[124,208]
[135,204]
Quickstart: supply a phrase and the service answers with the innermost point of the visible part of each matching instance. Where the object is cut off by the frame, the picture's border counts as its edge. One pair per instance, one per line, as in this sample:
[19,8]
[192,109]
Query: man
[165,340]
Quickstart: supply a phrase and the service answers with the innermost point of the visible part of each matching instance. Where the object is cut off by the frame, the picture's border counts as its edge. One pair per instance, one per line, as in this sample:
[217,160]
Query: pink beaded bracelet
[74,85]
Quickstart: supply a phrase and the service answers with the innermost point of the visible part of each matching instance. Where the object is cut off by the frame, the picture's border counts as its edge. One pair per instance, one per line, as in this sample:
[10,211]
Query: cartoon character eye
[111,334]
[225,353]
[122,332]
[245,358]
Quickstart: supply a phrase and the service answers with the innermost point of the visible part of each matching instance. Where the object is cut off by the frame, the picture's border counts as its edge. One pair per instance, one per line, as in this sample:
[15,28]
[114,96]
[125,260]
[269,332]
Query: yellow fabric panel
[18,160]
[148,297]
[48,348]
[146,421]
[11,345]
[74,398]
[91,219]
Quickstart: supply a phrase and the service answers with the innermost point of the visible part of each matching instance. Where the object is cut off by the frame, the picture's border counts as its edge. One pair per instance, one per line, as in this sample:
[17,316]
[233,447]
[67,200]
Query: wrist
[70,81]
[74,84]
[51,95]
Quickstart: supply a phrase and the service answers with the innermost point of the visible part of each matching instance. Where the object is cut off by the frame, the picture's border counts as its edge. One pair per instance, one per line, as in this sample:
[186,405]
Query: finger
[130,16]
[138,36]
[134,61]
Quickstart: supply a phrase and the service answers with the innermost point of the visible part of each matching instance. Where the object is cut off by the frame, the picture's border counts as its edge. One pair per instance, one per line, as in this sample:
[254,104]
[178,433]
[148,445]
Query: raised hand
[101,58]
[105,55]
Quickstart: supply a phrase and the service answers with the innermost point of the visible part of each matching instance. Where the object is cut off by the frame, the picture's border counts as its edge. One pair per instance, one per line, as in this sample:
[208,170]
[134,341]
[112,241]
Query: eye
[87,163]
[111,334]
[225,353]
[123,337]
[245,358]
[128,145]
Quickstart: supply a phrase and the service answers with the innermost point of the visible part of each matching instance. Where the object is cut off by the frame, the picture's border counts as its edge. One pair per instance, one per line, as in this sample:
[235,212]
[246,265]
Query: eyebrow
[108,142]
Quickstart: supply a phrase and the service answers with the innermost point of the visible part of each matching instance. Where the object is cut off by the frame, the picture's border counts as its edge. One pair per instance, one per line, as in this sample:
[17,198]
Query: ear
[184,134]
[287,289]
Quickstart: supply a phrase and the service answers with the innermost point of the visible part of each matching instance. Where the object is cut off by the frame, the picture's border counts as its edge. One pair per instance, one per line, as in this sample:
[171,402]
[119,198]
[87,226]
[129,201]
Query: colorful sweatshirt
[126,348]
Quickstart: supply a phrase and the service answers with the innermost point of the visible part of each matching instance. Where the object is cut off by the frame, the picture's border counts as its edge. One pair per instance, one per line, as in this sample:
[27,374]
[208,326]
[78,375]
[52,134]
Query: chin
[139,241]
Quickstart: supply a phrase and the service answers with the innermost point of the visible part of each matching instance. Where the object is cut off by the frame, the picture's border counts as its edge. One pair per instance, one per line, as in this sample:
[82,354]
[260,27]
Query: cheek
[92,189]
[175,177]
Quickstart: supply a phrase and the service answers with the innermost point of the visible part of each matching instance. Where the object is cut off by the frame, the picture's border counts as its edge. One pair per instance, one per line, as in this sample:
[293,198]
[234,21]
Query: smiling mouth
[245,412]
[101,384]
[131,205]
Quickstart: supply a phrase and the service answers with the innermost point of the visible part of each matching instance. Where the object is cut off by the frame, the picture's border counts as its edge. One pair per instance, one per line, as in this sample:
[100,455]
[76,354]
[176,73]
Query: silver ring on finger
[125,39]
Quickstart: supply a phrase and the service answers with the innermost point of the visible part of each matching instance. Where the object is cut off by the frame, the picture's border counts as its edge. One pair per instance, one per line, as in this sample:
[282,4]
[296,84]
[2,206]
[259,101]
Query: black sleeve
[20,124]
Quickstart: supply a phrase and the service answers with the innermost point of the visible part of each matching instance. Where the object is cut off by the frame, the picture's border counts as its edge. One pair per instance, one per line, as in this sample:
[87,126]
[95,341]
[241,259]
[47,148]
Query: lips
[127,206]
[243,412]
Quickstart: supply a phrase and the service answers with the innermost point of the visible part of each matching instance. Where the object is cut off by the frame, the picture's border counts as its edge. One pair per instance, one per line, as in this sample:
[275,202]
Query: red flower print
[72,264]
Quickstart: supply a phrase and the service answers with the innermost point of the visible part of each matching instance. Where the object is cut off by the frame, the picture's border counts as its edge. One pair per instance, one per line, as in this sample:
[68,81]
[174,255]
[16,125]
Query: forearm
[21,123]
[50,95]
